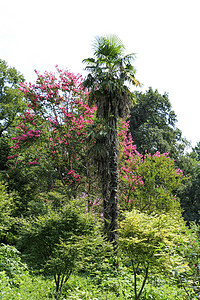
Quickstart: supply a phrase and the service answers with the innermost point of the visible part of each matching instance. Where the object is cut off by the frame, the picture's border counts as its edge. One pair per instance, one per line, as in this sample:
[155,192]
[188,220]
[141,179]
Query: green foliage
[56,198]
[115,285]
[23,181]
[97,255]
[190,279]
[63,261]
[40,236]
[6,204]
[161,180]
[11,103]
[118,284]
[30,287]
[10,264]
[5,144]
[163,289]
[145,238]
[189,191]
[150,183]
[149,241]
[153,124]
[15,281]
[105,283]
[196,151]
[52,243]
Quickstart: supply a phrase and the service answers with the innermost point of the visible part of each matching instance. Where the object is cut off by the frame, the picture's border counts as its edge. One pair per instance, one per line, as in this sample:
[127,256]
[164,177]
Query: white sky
[164,34]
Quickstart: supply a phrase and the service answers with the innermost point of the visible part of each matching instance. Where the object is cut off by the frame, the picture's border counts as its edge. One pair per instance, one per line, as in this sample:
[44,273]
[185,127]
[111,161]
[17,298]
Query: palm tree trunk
[104,175]
[105,179]
[113,168]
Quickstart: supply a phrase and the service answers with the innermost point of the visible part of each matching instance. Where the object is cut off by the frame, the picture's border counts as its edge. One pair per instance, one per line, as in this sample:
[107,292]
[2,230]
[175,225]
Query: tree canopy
[11,98]
[153,124]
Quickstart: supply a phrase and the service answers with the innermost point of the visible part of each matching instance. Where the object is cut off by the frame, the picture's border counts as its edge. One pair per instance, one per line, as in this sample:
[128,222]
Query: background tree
[6,207]
[153,125]
[12,104]
[153,128]
[109,70]
[196,151]
[190,191]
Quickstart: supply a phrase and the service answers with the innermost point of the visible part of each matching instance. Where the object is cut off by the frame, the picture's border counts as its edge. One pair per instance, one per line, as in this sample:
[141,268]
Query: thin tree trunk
[57,281]
[144,281]
[135,269]
[135,278]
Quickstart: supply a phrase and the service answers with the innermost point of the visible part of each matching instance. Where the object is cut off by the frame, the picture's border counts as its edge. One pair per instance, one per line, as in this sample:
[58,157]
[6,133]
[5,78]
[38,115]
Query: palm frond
[110,46]
[110,70]
[132,80]
[89,60]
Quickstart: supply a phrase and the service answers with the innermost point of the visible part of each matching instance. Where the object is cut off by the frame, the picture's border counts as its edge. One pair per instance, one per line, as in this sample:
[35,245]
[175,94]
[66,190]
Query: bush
[10,263]
[57,242]
[6,202]
[150,243]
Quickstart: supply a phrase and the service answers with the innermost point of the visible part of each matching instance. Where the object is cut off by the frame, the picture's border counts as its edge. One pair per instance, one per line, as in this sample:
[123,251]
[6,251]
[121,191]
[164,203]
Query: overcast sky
[164,35]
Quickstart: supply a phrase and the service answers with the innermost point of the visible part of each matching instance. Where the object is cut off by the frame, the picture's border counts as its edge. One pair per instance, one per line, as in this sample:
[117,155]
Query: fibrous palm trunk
[113,170]
[105,180]
[108,169]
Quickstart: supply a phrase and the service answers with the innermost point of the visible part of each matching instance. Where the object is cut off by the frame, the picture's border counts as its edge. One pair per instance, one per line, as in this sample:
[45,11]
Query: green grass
[108,286]
[28,287]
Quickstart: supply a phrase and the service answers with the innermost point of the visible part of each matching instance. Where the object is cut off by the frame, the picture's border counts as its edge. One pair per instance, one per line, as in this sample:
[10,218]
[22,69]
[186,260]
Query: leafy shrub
[190,279]
[5,211]
[54,244]
[149,241]
[10,263]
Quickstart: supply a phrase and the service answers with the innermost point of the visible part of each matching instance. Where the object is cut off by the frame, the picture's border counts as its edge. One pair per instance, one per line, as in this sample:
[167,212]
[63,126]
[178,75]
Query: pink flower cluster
[71,177]
[129,159]
[31,134]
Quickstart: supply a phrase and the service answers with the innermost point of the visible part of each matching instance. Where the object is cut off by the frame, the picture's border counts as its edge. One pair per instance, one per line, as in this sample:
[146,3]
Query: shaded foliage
[153,125]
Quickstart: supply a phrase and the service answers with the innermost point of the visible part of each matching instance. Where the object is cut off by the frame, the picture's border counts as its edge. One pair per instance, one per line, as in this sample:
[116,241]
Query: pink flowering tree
[147,182]
[52,132]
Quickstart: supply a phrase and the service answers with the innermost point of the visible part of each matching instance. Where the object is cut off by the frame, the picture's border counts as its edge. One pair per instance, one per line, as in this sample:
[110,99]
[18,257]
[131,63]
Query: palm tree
[109,72]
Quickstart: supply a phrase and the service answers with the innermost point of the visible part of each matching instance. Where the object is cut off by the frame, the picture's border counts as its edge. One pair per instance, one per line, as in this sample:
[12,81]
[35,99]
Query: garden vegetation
[98,195]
